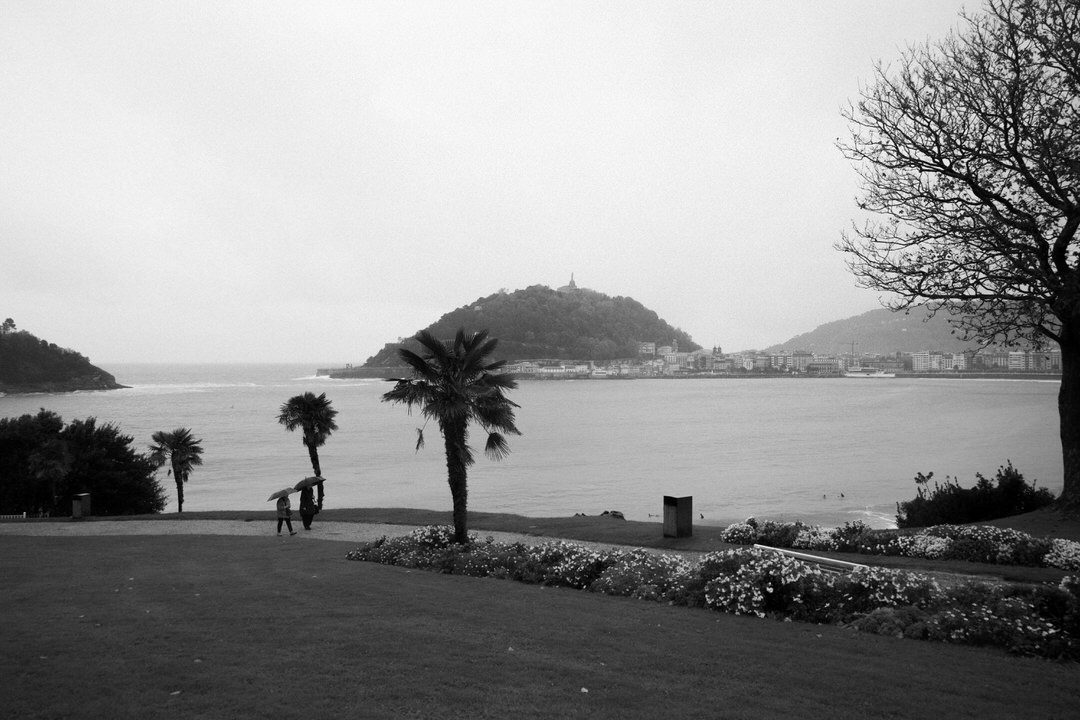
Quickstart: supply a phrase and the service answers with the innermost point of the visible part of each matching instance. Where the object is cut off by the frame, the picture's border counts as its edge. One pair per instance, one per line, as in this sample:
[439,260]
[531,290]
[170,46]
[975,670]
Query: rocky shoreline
[80,383]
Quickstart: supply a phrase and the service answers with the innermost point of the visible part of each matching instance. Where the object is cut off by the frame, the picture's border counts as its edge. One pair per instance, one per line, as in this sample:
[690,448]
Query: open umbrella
[281,493]
[308,482]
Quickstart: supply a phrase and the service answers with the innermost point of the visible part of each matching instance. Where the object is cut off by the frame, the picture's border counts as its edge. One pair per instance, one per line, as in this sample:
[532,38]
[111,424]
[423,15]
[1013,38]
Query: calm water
[784,449]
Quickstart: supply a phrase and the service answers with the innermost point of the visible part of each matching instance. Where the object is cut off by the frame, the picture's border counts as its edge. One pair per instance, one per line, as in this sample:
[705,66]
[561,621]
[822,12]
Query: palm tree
[454,384]
[183,453]
[316,417]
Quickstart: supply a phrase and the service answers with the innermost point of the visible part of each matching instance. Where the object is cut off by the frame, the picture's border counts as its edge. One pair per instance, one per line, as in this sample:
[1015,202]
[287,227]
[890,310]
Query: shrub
[645,575]
[766,582]
[983,543]
[739,534]
[1064,554]
[901,622]
[851,536]
[815,538]
[1009,494]
[578,567]
[869,588]
[781,535]
[1008,622]
[923,546]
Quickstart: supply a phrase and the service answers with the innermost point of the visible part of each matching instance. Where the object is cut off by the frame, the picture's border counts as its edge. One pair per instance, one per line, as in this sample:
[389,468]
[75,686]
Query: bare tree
[969,153]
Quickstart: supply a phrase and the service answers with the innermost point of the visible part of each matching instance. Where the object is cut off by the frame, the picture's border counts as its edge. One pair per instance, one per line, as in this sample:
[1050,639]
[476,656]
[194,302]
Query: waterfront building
[800,361]
[1019,360]
[823,366]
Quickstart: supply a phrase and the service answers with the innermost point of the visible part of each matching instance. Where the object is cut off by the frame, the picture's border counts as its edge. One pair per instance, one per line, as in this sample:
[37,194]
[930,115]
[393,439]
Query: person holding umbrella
[284,509]
[308,507]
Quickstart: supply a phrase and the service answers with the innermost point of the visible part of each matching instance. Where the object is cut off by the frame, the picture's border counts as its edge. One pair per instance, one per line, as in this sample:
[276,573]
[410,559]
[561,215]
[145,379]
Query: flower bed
[1040,620]
[974,543]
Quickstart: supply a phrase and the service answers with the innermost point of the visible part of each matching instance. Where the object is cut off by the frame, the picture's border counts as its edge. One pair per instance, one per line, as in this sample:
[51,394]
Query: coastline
[354,373]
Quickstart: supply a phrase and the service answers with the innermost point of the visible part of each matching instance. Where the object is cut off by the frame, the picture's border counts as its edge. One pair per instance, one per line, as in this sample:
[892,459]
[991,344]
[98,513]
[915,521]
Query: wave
[167,389]
[876,518]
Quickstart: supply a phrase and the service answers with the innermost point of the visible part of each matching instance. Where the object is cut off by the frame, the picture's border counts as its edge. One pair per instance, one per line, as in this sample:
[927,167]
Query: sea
[824,451]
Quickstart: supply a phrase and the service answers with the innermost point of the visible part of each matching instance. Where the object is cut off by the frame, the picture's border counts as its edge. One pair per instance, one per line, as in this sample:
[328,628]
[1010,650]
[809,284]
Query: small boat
[861,372]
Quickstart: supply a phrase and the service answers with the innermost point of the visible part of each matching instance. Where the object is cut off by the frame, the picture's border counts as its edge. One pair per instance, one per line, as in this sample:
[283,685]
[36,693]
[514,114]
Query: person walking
[308,508]
[284,514]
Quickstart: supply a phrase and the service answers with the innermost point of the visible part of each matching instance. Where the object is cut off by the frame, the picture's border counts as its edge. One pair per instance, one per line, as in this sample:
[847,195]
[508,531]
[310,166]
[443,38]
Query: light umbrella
[281,493]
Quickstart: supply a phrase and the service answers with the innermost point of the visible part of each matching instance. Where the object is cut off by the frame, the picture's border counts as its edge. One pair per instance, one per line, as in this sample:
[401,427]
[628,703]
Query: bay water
[824,451]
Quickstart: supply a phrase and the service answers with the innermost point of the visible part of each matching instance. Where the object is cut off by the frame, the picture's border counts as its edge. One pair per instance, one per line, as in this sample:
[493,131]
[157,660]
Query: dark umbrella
[281,493]
[309,482]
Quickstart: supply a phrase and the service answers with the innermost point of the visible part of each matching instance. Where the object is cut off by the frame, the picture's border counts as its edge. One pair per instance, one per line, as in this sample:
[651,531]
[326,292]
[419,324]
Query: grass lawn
[239,627]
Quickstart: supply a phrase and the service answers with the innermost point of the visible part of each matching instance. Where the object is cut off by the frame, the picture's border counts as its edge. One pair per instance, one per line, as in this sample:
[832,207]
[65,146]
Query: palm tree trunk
[454,439]
[179,493]
[313,453]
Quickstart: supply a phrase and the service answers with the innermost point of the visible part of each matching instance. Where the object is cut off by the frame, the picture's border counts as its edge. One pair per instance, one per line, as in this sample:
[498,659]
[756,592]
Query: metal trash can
[80,506]
[678,516]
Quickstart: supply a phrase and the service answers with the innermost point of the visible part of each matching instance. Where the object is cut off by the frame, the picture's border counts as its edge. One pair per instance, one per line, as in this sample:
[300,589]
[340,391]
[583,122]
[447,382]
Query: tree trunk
[313,453]
[454,439]
[1069,414]
[179,493]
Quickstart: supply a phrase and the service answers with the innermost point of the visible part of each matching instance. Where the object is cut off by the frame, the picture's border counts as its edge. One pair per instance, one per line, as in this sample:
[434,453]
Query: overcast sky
[256,181]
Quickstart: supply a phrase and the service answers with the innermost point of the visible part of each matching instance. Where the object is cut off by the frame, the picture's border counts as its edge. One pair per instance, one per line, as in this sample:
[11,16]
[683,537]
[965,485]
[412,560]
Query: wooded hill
[880,332]
[29,364]
[567,324]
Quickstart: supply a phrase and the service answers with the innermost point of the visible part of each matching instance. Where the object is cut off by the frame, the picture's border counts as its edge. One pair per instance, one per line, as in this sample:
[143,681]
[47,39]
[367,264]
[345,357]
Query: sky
[306,181]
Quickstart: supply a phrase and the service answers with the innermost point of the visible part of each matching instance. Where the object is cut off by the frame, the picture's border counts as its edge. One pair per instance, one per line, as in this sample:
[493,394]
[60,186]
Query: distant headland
[29,364]
[577,333]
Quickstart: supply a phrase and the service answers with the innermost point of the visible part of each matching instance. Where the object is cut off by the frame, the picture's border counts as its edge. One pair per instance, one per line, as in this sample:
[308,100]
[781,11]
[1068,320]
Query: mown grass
[192,626]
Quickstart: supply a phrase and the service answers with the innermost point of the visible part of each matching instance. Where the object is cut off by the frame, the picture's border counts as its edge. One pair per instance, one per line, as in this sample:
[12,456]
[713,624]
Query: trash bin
[678,516]
[80,506]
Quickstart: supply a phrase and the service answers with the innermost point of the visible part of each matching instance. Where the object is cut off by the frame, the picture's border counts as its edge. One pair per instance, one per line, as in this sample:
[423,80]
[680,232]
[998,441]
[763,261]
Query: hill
[879,332]
[29,364]
[570,324]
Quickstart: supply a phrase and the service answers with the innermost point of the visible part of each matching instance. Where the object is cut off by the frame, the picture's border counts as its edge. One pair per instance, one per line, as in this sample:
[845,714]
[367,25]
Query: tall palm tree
[316,417]
[183,453]
[454,383]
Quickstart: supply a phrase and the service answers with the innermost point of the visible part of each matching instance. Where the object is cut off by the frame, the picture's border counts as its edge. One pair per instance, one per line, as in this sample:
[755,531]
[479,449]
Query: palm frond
[437,349]
[496,447]
[497,417]
[421,367]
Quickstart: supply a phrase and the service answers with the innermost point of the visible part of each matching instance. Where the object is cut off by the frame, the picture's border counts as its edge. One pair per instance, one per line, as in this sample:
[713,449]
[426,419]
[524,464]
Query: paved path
[342,531]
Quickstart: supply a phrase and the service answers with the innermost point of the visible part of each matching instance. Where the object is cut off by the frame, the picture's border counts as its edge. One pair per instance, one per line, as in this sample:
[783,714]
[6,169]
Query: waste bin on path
[678,516]
[80,506]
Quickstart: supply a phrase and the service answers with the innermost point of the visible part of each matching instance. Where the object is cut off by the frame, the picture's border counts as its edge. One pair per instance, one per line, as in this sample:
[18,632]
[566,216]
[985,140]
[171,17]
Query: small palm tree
[182,451]
[316,417]
[454,384]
